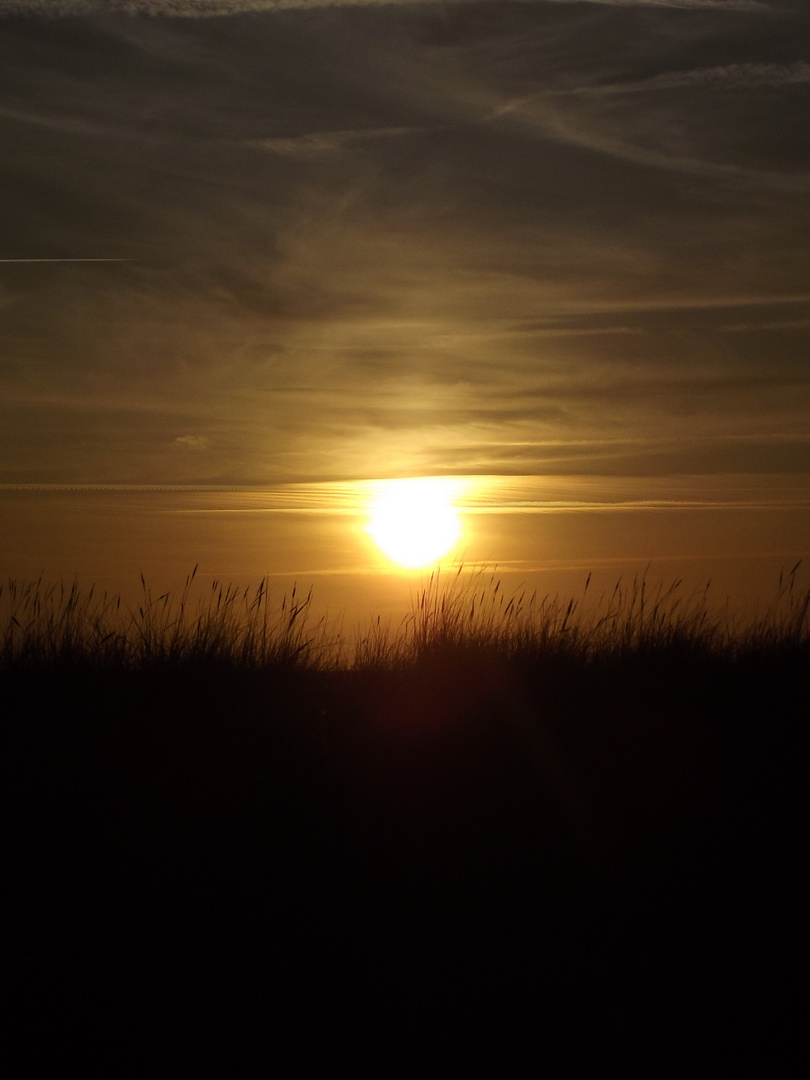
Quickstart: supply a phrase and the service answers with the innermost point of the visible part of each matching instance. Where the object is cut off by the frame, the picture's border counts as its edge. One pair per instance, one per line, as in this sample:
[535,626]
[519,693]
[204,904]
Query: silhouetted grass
[465,612]
[59,625]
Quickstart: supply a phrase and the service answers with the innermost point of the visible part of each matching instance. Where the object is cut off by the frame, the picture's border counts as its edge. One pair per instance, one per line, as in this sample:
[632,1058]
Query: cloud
[727,5]
[340,267]
[192,442]
[730,76]
[709,121]
[314,144]
[183,8]
[213,8]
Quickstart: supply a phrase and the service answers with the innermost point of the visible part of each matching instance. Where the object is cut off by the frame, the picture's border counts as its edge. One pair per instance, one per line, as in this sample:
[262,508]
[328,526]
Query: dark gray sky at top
[384,239]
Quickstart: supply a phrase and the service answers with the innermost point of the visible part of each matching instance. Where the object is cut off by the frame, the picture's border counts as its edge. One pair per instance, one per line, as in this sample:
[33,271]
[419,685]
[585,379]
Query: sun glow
[414,522]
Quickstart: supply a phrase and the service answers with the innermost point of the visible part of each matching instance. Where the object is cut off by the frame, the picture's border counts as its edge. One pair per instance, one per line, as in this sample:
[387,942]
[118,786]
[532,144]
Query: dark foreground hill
[548,869]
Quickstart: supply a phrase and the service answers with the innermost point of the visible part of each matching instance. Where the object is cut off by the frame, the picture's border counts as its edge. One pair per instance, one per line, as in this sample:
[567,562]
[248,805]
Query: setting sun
[414,522]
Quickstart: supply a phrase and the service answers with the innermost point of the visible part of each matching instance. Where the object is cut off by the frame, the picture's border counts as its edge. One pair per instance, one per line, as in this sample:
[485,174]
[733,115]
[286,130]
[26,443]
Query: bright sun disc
[414,522]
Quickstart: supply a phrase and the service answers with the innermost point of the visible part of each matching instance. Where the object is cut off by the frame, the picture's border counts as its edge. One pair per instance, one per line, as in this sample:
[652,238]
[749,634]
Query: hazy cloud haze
[378,239]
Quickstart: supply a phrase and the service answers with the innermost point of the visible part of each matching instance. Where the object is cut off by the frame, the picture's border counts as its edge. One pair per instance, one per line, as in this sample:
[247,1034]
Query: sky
[294,246]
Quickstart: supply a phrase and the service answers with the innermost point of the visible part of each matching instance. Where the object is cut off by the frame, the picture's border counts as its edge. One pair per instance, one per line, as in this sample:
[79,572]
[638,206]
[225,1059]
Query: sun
[414,522]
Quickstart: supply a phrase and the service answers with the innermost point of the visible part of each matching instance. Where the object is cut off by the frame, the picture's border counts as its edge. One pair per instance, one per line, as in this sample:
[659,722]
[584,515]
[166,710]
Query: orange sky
[256,245]
[316,535]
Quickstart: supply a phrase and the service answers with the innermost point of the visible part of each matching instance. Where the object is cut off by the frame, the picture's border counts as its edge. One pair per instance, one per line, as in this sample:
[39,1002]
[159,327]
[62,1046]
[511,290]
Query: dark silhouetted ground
[522,869]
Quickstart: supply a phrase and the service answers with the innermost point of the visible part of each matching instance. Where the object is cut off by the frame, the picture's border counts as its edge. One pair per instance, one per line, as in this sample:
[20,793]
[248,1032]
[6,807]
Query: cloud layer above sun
[386,240]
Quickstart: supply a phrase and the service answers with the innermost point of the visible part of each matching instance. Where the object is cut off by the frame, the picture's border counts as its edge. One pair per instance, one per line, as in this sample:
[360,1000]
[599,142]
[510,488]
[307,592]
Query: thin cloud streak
[218,8]
[740,76]
[313,144]
[480,494]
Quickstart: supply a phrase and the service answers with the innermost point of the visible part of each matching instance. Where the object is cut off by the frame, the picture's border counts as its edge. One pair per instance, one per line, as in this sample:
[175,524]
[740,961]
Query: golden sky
[270,243]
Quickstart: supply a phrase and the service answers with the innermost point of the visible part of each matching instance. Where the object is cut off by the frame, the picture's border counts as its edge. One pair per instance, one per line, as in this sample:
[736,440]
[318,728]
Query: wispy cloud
[314,144]
[192,442]
[730,76]
[211,8]
[672,131]
[340,267]
[729,5]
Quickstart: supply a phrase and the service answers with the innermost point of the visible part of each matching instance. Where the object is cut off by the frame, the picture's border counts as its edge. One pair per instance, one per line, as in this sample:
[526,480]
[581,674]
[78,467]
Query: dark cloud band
[212,8]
